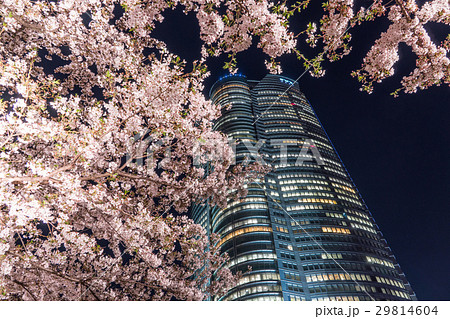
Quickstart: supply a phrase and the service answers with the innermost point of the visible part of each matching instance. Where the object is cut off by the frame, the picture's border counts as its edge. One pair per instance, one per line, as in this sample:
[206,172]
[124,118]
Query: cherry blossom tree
[93,162]
[97,153]
[407,25]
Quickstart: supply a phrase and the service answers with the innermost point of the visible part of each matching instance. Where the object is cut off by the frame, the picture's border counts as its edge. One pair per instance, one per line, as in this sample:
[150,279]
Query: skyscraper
[303,231]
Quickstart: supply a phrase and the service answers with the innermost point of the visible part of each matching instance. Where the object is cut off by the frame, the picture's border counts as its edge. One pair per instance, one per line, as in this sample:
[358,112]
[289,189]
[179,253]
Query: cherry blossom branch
[25,288]
[43,178]
[36,265]
[404,10]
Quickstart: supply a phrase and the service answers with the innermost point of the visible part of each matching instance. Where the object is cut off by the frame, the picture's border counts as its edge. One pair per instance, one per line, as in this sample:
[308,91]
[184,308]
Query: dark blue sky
[396,149]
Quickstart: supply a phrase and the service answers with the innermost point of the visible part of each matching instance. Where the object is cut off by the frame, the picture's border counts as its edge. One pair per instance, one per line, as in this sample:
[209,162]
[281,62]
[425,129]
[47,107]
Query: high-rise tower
[303,229]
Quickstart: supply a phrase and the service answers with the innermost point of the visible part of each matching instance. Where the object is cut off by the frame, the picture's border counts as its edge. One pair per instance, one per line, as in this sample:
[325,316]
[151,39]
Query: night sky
[395,149]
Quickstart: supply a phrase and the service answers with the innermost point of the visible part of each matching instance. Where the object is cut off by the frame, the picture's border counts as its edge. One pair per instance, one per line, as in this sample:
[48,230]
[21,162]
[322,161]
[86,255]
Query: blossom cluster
[408,26]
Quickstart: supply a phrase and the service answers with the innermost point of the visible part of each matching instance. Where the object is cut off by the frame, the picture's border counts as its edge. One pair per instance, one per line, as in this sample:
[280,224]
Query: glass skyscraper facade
[303,231]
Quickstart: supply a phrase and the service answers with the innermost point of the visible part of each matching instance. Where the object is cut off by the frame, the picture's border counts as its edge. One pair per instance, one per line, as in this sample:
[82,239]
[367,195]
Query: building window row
[279,221]
[244,231]
[335,230]
[322,137]
[287,255]
[311,178]
[344,287]
[336,277]
[245,222]
[269,97]
[348,189]
[259,277]
[239,98]
[269,93]
[355,225]
[340,191]
[246,200]
[284,245]
[327,152]
[339,172]
[281,229]
[294,165]
[354,212]
[331,256]
[309,230]
[234,85]
[366,290]
[326,246]
[309,187]
[319,207]
[279,99]
[293,142]
[292,276]
[337,246]
[284,130]
[305,108]
[368,235]
[335,239]
[230,94]
[335,265]
[289,265]
[351,200]
[229,212]
[225,120]
[299,187]
[373,243]
[338,298]
[335,215]
[274,193]
[276,122]
[296,298]
[352,276]
[321,256]
[250,257]
[309,116]
[319,143]
[253,290]
[341,182]
[301,194]
[317,200]
[238,132]
[337,164]
[283,237]
[265,298]
[375,260]
[294,287]
[391,282]
[349,204]
[359,220]
[397,293]
[320,221]
[309,122]
[300,213]
[294,175]
[284,116]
